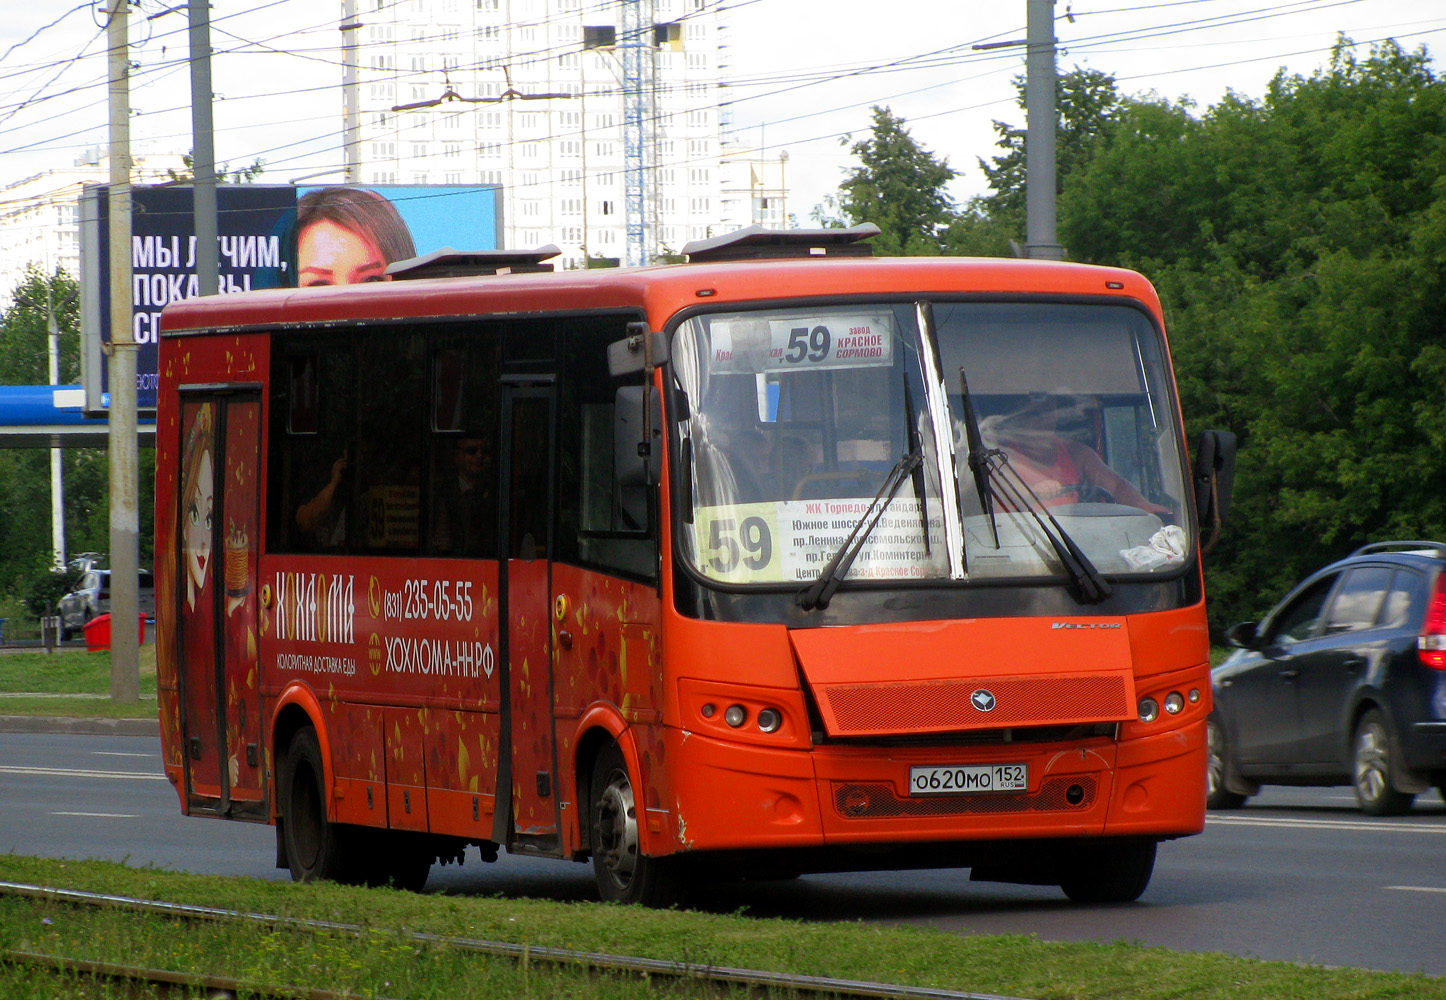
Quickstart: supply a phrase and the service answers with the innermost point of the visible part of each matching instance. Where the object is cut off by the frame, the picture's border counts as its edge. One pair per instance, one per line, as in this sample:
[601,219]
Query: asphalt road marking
[120,753]
[1417,888]
[99,815]
[71,772]
[1356,825]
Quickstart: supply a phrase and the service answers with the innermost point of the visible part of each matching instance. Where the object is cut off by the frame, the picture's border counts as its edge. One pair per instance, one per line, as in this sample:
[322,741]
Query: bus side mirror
[637,437]
[640,350]
[1214,480]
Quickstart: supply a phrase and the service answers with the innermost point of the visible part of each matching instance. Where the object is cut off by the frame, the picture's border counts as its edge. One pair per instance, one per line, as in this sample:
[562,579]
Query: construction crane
[637,100]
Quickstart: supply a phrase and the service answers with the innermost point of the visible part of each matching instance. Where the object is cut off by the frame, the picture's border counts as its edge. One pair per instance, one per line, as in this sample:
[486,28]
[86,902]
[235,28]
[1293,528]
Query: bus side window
[612,521]
[463,466]
[310,480]
[387,450]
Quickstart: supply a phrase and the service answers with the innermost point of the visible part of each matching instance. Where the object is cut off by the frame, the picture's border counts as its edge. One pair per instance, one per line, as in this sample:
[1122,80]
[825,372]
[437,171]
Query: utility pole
[124,510]
[1041,135]
[350,94]
[57,466]
[203,149]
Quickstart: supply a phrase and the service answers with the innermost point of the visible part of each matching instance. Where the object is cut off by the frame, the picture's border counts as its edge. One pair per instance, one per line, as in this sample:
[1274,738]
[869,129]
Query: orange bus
[786,559]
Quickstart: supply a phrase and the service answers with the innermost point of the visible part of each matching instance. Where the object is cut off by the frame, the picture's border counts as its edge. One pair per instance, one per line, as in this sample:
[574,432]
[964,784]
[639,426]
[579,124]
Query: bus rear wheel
[315,847]
[623,872]
[1109,871]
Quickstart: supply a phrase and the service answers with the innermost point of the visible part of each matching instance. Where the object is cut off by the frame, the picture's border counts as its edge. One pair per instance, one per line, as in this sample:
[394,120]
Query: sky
[803,74]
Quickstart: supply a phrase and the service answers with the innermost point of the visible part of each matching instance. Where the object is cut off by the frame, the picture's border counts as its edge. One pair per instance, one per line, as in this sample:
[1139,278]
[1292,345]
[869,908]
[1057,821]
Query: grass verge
[72,682]
[388,963]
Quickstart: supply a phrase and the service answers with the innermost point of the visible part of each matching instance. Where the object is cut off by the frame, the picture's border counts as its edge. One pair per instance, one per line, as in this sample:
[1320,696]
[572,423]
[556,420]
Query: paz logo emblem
[983,700]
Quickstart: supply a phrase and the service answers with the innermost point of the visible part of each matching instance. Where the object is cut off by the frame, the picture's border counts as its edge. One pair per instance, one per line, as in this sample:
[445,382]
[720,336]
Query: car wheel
[1109,871]
[1372,768]
[624,873]
[1217,796]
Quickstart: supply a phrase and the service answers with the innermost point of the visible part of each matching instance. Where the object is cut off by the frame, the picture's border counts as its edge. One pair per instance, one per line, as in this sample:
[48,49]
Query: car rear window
[1359,599]
[1397,607]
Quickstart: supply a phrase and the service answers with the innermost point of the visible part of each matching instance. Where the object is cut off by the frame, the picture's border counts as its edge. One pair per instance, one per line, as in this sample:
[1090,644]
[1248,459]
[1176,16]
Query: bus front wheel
[1109,871]
[315,847]
[623,872]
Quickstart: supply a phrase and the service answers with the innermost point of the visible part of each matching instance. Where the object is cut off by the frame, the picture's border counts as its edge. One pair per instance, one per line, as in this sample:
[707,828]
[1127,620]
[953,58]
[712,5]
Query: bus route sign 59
[792,540]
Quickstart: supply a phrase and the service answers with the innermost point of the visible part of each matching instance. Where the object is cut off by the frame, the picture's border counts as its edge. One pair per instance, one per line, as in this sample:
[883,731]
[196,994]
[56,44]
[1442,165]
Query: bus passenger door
[219,529]
[529,766]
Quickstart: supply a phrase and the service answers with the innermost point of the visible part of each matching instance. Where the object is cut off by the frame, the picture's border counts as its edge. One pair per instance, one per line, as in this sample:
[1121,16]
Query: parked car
[1343,683]
[91,597]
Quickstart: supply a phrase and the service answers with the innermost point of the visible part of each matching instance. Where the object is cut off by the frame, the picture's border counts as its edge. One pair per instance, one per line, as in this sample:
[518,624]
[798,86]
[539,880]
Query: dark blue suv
[1343,683]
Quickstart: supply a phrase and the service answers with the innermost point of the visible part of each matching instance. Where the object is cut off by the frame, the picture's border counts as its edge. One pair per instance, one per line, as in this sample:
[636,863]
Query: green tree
[1299,245]
[899,186]
[241,175]
[25,536]
[24,329]
[1087,105]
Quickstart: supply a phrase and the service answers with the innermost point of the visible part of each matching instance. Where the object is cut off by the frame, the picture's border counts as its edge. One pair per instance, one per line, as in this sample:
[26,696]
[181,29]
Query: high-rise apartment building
[535,96]
[40,214]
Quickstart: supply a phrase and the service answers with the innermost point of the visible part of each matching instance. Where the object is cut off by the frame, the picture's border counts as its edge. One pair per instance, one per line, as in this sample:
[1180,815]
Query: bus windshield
[797,419]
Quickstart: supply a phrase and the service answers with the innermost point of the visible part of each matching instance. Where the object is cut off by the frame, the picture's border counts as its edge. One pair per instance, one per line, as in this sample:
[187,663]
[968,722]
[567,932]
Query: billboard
[268,236]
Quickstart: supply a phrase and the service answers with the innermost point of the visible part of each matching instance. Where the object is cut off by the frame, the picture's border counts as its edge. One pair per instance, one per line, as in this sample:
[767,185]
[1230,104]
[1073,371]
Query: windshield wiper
[1086,583]
[821,591]
[916,447]
[978,457]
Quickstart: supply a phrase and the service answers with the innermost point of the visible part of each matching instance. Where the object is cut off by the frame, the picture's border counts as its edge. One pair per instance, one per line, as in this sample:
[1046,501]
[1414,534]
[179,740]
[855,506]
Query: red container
[97,632]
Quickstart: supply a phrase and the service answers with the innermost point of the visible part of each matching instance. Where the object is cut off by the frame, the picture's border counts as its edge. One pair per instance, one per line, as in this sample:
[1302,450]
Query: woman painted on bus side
[198,497]
[347,236]
[1058,469]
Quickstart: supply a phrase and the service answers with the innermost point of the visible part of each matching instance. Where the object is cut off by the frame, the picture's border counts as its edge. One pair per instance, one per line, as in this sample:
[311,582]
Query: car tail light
[1432,641]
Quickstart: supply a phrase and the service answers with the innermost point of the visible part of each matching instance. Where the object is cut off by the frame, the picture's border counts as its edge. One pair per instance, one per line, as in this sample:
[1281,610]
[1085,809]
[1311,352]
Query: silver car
[91,597]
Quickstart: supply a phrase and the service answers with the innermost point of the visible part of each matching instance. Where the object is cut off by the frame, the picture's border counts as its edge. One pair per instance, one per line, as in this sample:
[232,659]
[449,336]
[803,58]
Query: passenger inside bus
[460,501]
[323,517]
[1059,469]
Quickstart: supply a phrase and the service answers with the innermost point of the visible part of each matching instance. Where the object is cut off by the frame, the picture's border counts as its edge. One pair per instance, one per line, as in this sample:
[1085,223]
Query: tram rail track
[167,983]
[599,962]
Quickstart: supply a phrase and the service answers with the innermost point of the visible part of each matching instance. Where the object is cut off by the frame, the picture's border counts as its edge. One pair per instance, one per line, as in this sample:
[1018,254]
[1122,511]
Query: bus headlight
[769,719]
[735,716]
[1149,710]
[1174,703]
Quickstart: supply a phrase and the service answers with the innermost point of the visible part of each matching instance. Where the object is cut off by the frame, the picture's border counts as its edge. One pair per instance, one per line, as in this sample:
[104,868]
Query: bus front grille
[950,705]
[878,800]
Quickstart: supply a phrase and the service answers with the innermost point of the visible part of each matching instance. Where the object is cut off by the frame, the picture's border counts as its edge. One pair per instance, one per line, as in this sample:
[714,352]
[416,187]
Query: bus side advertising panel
[390,647]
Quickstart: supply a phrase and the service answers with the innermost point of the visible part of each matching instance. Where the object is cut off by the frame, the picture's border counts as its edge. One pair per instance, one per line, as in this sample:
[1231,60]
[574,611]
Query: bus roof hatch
[757,243]
[449,263]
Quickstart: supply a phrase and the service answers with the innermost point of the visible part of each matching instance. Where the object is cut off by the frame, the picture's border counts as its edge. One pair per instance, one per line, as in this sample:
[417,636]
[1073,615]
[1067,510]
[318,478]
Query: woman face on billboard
[329,254]
[347,236]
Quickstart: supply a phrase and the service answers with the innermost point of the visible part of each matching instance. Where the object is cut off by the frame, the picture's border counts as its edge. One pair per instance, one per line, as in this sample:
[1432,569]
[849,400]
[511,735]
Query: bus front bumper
[738,796]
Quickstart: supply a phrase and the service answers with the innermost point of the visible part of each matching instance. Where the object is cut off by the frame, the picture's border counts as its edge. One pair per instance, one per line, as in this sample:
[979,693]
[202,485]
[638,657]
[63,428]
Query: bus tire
[1109,871]
[623,872]
[315,847]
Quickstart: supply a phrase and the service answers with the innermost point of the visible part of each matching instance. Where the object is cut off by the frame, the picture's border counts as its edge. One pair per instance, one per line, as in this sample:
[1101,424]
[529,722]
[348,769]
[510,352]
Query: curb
[79,727]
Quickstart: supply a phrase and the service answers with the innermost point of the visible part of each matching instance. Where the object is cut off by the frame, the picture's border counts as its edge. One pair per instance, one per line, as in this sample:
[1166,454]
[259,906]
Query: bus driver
[1057,468]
